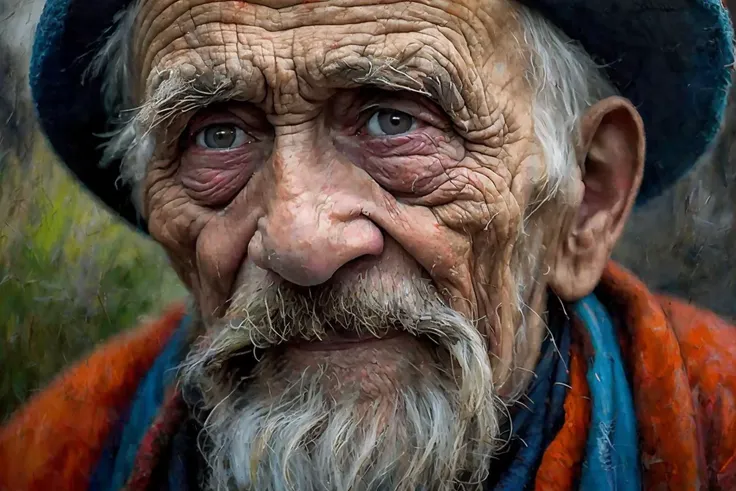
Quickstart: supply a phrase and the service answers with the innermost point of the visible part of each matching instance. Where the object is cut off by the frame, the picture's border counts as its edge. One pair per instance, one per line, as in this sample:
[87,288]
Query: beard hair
[437,431]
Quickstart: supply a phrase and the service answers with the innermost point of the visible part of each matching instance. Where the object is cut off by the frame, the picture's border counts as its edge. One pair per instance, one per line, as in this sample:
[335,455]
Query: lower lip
[339,343]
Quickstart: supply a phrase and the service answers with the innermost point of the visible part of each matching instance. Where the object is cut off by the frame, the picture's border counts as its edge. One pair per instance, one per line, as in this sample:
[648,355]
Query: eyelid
[389,104]
[369,107]
[411,107]
[196,125]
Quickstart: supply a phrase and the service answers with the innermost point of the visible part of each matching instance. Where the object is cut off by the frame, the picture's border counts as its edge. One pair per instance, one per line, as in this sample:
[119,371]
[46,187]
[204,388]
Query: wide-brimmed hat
[671,58]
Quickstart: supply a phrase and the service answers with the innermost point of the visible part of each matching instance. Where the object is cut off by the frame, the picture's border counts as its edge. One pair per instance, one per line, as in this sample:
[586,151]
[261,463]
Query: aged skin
[308,176]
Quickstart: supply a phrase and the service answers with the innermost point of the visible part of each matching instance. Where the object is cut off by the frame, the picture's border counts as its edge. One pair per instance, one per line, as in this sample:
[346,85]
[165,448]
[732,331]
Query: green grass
[70,276]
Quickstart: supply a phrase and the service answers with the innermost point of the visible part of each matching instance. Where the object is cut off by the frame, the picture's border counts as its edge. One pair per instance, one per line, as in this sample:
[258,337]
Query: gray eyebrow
[435,83]
[175,95]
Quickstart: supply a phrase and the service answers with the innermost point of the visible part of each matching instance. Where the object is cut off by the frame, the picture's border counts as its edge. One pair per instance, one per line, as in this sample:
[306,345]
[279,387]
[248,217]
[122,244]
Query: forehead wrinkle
[445,71]
[159,16]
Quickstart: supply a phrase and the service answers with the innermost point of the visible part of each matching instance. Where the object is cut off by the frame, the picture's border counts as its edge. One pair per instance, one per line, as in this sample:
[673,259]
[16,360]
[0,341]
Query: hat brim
[671,58]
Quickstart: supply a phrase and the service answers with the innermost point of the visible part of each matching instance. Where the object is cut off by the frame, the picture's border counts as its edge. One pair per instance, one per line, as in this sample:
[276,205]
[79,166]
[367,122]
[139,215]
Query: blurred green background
[70,275]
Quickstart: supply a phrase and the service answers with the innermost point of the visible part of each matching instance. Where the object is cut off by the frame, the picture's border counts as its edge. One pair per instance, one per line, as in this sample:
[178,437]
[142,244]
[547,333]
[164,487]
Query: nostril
[374,241]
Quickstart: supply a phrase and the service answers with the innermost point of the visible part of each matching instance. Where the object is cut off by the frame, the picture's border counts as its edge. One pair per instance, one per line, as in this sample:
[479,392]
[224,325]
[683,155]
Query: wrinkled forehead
[296,51]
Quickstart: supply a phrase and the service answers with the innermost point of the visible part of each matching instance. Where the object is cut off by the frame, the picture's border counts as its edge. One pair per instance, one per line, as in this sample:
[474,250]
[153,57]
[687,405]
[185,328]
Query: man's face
[363,179]
[313,176]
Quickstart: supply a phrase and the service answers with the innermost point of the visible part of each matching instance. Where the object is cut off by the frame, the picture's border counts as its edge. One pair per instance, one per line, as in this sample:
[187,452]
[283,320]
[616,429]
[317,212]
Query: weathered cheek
[173,220]
[482,202]
[485,209]
[441,252]
[175,228]
[220,252]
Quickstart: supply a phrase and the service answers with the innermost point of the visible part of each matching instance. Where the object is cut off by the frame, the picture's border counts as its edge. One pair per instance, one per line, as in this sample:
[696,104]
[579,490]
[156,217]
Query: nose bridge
[300,188]
[296,169]
[313,223]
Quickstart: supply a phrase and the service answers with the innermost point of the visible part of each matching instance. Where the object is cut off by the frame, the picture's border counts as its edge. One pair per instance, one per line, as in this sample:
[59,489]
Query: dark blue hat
[671,58]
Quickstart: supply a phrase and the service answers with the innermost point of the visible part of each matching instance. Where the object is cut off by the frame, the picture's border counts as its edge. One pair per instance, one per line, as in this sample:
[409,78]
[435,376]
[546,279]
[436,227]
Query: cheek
[222,244]
[202,213]
[174,220]
[478,201]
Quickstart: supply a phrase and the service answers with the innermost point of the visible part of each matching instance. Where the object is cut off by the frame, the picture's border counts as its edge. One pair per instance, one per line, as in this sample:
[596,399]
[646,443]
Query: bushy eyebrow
[176,95]
[433,82]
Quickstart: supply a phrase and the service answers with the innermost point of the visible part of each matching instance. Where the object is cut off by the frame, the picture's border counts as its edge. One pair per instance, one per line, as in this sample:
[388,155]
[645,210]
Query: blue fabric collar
[540,416]
[612,452]
[116,463]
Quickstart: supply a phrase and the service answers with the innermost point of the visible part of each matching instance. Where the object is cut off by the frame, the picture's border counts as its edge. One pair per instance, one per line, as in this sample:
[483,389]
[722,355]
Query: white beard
[286,430]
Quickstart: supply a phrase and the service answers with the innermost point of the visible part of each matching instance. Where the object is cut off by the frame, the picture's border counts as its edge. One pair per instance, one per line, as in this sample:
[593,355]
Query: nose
[313,223]
[306,246]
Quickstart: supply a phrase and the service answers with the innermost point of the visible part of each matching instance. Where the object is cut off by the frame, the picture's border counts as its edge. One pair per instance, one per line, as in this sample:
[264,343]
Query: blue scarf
[612,452]
[611,462]
[540,415]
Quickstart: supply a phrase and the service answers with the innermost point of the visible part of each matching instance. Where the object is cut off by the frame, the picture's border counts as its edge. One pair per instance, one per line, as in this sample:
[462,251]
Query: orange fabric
[708,345]
[560,467]
[682,364]
[56,438]
[682,406]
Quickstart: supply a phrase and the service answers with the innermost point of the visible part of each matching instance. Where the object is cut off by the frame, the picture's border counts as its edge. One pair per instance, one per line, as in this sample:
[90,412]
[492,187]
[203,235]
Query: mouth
[344,340]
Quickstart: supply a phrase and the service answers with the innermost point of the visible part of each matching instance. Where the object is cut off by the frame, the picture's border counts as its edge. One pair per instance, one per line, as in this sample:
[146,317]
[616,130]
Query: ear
[611,158]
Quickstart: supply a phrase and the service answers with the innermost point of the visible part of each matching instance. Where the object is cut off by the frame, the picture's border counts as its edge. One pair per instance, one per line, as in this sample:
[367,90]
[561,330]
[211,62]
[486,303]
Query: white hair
[566,82]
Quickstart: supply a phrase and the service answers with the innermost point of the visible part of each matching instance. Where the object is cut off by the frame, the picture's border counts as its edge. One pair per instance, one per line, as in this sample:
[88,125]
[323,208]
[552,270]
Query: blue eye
[221,137]
[389,122]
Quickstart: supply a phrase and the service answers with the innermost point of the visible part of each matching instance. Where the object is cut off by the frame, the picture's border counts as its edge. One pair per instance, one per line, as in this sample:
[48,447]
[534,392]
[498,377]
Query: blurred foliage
[70,276]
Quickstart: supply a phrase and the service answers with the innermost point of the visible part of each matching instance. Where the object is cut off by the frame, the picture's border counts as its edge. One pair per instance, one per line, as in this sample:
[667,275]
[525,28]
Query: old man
[395,221]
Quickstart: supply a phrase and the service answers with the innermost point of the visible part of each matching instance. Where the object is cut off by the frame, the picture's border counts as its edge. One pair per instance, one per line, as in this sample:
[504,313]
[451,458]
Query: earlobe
[611,157]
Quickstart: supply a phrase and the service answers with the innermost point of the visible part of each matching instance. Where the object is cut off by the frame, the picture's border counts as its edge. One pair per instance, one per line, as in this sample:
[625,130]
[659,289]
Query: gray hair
[565,80]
